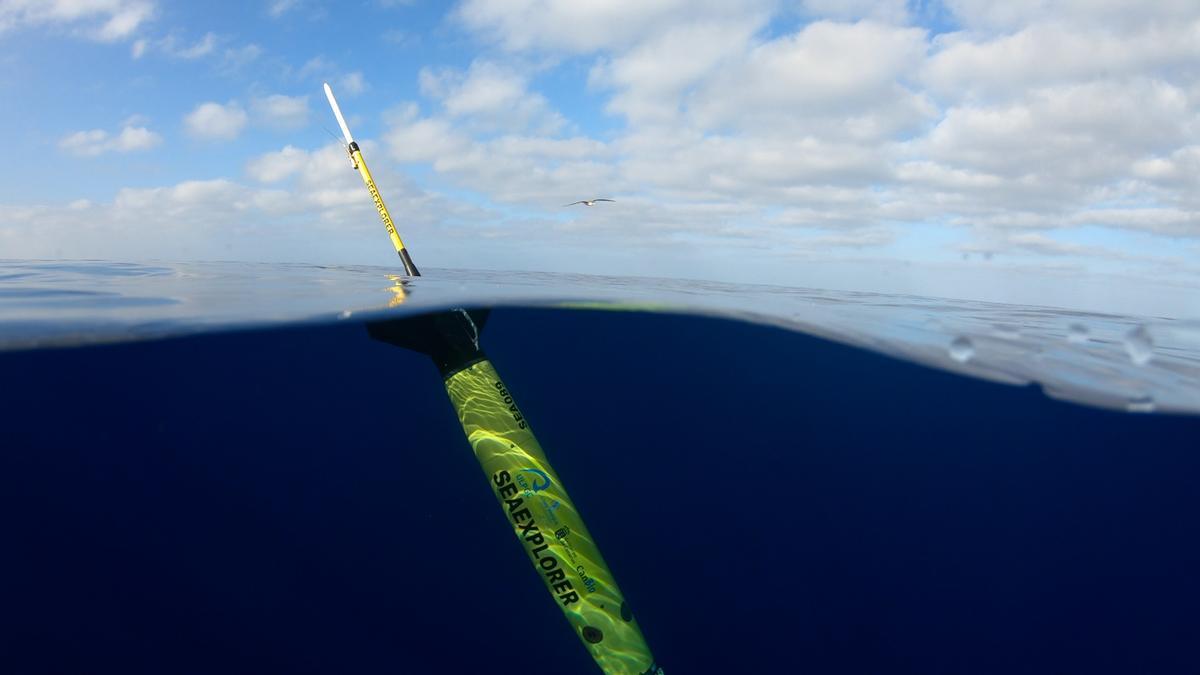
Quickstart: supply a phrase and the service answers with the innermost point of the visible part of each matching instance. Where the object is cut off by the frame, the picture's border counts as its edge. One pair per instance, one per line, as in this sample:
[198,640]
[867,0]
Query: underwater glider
[531,493]
[589,202]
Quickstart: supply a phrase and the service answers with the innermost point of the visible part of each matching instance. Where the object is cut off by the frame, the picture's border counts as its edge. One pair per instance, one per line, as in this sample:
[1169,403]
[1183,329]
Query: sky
[1043,151]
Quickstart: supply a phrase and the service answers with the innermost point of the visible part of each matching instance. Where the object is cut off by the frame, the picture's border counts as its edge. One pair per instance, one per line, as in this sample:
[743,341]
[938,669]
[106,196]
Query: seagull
[589,202]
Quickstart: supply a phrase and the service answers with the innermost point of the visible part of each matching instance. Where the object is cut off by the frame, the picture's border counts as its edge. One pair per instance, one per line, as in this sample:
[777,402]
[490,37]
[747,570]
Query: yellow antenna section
[359,163]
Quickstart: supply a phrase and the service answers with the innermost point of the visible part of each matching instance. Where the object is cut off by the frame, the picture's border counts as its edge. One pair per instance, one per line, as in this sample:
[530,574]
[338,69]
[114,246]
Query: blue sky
[930,147]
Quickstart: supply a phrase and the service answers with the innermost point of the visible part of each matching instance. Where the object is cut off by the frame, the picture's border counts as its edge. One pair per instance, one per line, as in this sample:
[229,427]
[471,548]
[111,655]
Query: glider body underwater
[531,493]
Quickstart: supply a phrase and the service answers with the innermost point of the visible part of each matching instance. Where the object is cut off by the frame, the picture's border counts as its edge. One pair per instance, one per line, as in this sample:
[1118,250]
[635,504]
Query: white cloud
[1059,54]
[125,20]
[402,38]
[281,112]
[235,58]
[98,142]
[214,202]
[103,20]
[1168,221]
[1013,14]
[312,10]
[202,47]
[578,27]
[510,168]
[651,76]
[490,97]
[353,83]
[317,66]
[425,140]
[85,142]
[320,68]
[136,138]
[175,47]
[1037,243]
[832,79]
[314,208]
[1179,169]
[183,195]
[215,121]
[1059,148]
[889,11]
[864,238]
[321,178]
[766,170]
[277,8]
[276,166]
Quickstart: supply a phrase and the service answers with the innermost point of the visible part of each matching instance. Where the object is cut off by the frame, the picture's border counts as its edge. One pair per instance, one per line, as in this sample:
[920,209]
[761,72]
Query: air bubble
[1140,404]
[961,349]
[1139,346]
[1077,333]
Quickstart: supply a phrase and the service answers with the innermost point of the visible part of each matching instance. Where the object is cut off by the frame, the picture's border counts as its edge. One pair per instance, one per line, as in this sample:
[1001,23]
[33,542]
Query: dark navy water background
[304,501]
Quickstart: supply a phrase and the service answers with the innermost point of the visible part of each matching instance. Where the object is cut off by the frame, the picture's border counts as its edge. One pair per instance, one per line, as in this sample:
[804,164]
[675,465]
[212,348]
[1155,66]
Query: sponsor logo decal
[536,544]
[540,480]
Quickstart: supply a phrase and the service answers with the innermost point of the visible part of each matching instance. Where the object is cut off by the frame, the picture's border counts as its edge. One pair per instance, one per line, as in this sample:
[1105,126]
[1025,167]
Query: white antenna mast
[337,112]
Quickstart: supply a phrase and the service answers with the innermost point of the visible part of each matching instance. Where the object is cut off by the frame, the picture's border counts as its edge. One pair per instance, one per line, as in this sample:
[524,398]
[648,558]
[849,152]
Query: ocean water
[212,468]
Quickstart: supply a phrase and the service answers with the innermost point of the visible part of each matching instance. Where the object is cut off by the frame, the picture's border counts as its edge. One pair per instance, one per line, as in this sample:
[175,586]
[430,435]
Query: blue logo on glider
[538,485]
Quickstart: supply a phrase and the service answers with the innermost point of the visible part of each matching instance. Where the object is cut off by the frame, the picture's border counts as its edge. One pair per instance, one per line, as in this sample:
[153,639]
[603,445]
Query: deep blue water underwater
[304,501]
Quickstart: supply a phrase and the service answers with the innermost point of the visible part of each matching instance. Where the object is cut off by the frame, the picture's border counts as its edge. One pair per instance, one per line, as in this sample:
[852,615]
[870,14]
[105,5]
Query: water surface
[1133,363]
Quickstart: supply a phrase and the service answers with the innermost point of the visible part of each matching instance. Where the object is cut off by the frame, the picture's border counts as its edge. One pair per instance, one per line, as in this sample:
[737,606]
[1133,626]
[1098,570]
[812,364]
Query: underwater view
[199,490]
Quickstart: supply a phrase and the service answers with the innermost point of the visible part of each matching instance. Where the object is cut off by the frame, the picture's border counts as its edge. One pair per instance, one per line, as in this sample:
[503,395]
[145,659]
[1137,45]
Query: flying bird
[589,202]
